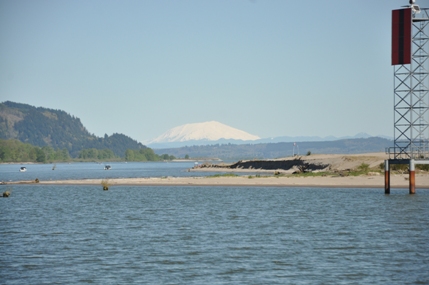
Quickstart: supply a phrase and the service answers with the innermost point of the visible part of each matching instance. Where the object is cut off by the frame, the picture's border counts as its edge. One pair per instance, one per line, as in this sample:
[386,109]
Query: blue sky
[271,68]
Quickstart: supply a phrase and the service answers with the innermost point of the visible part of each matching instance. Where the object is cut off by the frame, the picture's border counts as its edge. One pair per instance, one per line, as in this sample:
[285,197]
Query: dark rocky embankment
[297,163]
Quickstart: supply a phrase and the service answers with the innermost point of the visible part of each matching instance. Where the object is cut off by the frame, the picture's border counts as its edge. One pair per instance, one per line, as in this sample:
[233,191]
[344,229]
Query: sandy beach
[364,181]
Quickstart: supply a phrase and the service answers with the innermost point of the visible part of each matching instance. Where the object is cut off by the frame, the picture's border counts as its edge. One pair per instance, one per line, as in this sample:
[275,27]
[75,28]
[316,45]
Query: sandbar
[338,163]
[363,181]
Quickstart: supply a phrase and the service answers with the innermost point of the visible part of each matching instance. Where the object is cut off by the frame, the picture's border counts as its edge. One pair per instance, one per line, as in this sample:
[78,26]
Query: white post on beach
[412,178]
[386,177]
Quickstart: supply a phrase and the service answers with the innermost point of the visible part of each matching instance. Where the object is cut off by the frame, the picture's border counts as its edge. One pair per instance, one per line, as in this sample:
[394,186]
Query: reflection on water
[213,235]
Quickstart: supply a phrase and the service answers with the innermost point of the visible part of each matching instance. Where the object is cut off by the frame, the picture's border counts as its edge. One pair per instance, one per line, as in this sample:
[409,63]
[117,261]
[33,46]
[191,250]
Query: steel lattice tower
[410,58]
[411,95]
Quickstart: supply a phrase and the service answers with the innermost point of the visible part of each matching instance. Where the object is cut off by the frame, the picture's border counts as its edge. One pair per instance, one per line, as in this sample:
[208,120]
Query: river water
[87,170]
[64,234]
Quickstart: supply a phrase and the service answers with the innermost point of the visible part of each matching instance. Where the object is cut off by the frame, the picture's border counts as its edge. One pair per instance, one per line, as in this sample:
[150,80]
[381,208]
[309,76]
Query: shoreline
[364,181]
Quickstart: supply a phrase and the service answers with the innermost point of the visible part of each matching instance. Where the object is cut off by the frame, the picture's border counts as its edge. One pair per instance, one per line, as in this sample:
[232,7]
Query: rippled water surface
[213,235]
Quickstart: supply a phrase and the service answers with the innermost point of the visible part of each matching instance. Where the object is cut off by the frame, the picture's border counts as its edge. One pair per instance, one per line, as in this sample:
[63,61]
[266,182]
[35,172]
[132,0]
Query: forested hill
[47,127]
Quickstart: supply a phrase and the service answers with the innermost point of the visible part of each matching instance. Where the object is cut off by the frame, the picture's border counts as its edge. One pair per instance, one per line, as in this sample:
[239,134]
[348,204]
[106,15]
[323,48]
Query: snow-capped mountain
[213,132]
[207,131]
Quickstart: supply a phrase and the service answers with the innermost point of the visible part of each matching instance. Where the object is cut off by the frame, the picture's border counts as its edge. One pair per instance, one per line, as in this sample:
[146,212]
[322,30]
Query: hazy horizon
[269,68]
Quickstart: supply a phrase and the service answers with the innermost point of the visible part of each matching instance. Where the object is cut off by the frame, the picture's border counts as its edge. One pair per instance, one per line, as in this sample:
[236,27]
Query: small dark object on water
[105,188]
[37,180]
[6,194]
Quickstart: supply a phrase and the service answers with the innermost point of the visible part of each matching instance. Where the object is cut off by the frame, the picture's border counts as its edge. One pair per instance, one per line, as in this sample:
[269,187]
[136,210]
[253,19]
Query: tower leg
[412,177]
[386,177]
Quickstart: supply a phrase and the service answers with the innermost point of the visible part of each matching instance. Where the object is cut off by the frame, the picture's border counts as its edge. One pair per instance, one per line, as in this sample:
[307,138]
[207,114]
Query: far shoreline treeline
[15,151]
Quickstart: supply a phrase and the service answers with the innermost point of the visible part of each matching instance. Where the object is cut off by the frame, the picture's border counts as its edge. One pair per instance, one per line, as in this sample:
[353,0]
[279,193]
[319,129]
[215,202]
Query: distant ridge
[317,138]
[231,152]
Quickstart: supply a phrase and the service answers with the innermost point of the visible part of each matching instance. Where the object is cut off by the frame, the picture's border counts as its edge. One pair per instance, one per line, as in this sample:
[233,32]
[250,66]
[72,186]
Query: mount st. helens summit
[207,131]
